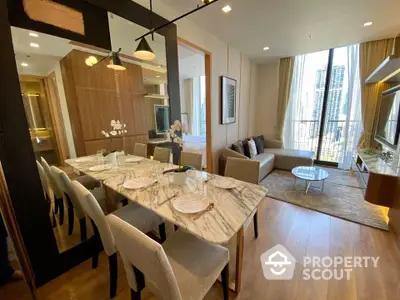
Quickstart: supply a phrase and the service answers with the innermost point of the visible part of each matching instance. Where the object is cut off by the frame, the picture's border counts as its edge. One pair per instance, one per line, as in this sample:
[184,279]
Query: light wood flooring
[301,231]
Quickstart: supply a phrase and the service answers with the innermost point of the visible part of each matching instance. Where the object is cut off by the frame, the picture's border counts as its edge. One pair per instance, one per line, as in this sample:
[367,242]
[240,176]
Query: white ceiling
[285,25]
[41,61]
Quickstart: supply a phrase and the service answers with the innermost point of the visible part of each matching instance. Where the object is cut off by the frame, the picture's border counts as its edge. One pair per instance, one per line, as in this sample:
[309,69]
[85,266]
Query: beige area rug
[341,197]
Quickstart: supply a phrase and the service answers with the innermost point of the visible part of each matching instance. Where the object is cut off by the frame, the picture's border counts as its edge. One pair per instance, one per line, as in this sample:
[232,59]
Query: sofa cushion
[287,159]
[246,148]
[259,140]
[266,163]
[252,148]
[238,147]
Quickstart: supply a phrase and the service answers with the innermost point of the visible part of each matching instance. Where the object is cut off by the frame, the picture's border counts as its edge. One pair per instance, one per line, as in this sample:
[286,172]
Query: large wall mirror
[80,102]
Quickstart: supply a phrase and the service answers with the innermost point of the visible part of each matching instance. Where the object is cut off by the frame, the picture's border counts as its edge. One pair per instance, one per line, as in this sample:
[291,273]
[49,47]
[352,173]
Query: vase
[176,154]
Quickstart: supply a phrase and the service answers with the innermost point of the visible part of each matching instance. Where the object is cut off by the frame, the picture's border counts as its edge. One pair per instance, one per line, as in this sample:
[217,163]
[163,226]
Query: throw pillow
[238,147]
[252,148]
[259,140]
[246,148]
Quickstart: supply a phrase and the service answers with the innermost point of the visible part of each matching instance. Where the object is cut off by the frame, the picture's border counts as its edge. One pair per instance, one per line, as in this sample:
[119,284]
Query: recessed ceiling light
[226,9]
[369,23]
[34,45]
[34,34]
[310,37]
[266,48]
[158,76]
[24,64]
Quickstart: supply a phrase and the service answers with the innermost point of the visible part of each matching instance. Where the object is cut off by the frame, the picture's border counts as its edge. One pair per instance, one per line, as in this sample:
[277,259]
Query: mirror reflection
[81,100]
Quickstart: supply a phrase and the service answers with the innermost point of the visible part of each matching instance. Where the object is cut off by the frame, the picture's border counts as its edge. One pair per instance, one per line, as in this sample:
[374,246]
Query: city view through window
[342,121]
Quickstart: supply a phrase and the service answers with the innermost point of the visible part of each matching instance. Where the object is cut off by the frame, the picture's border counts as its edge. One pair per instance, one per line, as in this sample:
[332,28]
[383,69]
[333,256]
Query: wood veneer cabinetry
[96,95]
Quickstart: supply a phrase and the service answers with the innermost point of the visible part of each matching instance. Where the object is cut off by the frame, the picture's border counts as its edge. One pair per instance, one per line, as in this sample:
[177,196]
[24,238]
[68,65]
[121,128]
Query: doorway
[195,92]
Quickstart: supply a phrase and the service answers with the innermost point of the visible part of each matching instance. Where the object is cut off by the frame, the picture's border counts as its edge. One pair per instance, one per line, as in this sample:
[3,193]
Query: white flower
[119,132]
[104,133]
[124,125]
[178,125]
[112,123]
[113,133]
[107,135]
[125,131]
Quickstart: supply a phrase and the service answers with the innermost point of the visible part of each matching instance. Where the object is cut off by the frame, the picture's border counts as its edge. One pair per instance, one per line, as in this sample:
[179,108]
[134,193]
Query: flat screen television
[161,114]
[388,127]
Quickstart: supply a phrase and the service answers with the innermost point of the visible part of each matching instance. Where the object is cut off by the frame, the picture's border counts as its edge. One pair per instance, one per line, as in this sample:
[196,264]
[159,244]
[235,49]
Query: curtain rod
[176,19]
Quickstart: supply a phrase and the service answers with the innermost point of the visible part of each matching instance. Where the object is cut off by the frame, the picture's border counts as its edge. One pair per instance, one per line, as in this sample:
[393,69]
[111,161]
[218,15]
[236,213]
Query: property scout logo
[278,264]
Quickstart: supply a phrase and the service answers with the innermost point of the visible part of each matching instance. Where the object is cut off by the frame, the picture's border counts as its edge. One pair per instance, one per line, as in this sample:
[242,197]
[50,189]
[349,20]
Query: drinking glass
[100,157]
[121,162]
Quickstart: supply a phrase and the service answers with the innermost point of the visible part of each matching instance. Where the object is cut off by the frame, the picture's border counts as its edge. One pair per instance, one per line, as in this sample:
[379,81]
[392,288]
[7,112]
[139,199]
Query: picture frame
[228,100]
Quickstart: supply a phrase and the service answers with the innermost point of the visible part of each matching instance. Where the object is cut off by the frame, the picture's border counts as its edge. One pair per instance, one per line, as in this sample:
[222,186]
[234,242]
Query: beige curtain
[286,66]
[372,55]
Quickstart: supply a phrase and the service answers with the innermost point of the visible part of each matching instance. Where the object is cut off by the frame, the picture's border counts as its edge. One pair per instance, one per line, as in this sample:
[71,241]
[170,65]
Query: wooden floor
[301,231]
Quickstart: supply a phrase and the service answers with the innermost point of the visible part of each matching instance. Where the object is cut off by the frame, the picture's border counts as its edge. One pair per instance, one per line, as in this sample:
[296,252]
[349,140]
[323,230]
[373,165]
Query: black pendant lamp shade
[144,51]
[115,62]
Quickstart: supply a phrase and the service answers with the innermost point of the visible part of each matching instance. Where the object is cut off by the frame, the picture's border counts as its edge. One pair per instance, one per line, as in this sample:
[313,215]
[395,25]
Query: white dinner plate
[225,183]
[84,160]
[191,203]
[100,168]
[134,159]
[138,183]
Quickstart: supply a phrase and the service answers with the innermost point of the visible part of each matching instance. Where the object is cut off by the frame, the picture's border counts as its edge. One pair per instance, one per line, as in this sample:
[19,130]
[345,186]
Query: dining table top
[231,207]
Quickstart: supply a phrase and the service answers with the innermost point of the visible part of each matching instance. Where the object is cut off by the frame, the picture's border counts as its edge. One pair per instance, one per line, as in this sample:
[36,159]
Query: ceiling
[41,61]
[285,25]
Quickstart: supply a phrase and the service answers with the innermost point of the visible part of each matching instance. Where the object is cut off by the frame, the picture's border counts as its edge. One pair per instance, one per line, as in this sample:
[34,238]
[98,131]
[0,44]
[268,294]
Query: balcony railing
[306,137]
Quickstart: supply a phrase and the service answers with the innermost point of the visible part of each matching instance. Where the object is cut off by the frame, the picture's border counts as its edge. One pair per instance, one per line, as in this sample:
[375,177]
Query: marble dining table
[223,224]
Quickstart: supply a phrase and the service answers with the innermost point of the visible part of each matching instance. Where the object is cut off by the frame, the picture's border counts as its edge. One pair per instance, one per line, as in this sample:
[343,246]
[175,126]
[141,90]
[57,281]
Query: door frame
[207,65]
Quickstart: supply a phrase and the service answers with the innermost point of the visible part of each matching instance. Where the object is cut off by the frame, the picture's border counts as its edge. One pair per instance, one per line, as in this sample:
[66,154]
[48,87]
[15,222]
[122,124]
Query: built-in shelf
[156,96]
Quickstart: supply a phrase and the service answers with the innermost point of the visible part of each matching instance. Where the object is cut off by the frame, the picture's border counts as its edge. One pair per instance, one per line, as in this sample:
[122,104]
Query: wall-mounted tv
[161,113]
[388,127]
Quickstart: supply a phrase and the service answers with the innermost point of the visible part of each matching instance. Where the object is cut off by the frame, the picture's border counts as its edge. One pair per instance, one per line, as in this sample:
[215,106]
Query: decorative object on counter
[228,100]
[117,129]
[386,156]
[175,133]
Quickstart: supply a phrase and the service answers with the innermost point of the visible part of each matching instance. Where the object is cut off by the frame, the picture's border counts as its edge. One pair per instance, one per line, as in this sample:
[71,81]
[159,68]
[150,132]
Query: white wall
[225,61]
[266,99]
[64,111]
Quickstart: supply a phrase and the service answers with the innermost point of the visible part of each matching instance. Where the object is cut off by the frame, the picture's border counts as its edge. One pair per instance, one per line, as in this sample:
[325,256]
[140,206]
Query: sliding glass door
[324,109]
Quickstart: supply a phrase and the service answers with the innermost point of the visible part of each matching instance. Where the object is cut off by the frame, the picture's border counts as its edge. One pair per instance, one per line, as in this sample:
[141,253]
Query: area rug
[342,197]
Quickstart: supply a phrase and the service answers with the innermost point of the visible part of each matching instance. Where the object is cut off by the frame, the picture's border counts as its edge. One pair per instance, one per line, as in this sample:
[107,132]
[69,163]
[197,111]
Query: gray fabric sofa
[274,157]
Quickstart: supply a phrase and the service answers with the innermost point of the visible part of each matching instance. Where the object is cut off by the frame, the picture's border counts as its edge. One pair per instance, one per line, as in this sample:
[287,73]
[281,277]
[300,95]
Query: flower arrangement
[175,132]
[117,129]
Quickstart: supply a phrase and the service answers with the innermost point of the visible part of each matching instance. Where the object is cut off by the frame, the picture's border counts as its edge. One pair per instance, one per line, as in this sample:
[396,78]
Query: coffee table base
[308,183]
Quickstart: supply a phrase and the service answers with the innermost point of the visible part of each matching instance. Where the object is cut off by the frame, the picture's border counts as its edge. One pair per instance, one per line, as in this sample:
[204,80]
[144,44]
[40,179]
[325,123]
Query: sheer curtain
[291,127]
[353,126]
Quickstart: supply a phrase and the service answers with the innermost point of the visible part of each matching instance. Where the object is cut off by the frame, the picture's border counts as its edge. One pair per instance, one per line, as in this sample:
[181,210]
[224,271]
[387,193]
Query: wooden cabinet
[96,95]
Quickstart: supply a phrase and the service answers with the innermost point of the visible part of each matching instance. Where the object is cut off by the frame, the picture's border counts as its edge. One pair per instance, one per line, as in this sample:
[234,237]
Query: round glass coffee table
[310,174]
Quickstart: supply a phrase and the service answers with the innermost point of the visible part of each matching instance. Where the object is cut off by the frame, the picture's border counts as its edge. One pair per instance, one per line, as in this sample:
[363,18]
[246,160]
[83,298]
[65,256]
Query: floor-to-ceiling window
[324,113]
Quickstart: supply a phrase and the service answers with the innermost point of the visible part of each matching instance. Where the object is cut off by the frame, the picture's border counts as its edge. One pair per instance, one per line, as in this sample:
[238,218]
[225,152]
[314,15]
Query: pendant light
[144,51]
[115,62]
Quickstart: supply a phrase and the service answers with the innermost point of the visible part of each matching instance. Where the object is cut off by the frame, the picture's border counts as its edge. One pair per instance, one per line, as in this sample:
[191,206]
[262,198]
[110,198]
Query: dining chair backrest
[92,208]
[161,154]
[140,150]
[243,169]
[53,184]
[43,179]
[65,185]
[192,159]
[146,255]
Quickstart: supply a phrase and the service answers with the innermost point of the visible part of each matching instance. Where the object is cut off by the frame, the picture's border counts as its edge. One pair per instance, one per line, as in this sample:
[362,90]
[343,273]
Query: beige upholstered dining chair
[74,206]
[46,191]
[184,267]
[162,154]
[140,150]
[58,194]
[192,159]
[245,170]
[141,218]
